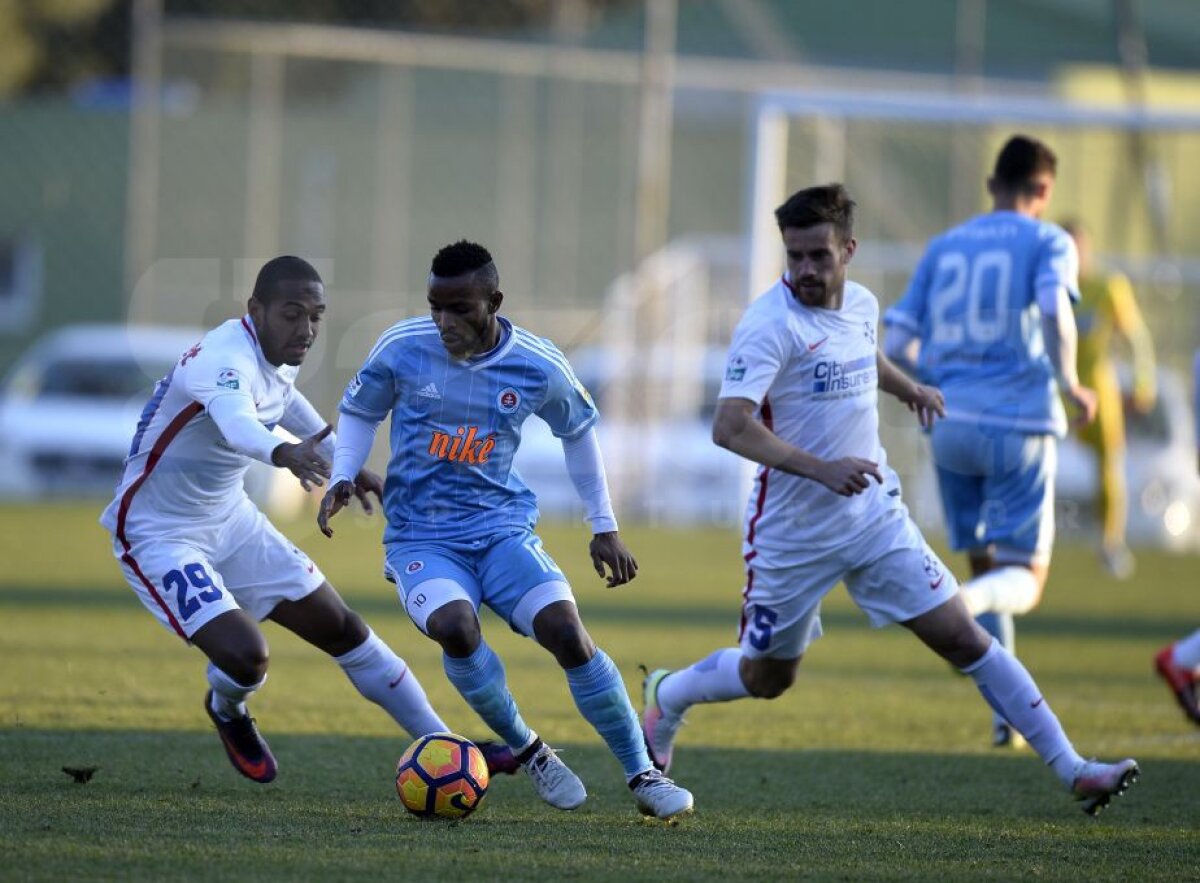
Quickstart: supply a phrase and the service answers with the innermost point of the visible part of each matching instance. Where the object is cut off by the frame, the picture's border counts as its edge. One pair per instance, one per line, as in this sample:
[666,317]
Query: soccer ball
[442,775]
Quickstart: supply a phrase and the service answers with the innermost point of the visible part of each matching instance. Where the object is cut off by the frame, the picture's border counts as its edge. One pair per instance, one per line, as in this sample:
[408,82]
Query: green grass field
[876,765]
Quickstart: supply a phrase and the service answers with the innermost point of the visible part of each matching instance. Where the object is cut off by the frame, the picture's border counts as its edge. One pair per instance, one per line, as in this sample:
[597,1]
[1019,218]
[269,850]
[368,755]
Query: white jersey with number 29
[180,469]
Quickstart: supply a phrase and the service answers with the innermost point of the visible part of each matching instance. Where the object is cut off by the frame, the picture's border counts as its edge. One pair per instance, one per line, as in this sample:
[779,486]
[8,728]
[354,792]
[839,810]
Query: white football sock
[714,678]
[385,679]
[1186,653]
[1010,691]
[228,696]
[1004,590]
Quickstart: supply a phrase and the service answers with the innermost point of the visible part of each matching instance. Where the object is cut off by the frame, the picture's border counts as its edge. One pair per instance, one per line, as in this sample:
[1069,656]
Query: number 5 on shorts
[198,578]
[761,626]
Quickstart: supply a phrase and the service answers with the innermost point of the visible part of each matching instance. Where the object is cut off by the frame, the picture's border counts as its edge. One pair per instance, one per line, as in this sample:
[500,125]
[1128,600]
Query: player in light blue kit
[987,319]
[460,520]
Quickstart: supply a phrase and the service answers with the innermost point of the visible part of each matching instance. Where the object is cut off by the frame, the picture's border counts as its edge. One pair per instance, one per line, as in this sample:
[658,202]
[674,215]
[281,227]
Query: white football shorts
[889,571]
[186,576]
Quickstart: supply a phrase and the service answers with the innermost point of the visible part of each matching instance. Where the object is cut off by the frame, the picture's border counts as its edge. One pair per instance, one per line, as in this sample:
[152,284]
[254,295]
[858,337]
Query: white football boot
[658,796]
[1097,783]
[658,727]
[553,780]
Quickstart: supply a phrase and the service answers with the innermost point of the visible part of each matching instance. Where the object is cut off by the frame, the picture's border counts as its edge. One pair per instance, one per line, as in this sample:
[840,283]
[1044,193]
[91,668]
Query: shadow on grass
[620,613]
[167,805]
[831,781]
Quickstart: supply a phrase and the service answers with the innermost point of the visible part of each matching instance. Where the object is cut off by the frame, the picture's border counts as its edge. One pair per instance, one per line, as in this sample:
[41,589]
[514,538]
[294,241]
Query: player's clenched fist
[848,476]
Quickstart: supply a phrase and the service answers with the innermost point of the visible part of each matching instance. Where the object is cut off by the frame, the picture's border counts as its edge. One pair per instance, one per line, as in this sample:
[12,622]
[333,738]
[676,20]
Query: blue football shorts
[997,489]
[511,574]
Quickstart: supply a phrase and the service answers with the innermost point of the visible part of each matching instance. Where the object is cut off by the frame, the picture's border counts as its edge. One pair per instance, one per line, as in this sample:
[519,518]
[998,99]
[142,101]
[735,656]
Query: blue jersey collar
[499,351]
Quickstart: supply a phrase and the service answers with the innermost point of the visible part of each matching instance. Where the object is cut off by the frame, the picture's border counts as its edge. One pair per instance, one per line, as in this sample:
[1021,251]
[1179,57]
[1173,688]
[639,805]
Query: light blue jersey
[973,303]
[456,425]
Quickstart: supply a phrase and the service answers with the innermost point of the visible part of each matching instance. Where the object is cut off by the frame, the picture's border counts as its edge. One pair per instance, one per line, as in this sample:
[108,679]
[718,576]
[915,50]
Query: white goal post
[832,111]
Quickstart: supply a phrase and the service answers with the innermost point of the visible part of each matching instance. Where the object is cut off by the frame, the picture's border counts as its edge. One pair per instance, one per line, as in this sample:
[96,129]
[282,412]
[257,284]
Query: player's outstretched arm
[926,402]
[304,459]
[736,429]
[349,478]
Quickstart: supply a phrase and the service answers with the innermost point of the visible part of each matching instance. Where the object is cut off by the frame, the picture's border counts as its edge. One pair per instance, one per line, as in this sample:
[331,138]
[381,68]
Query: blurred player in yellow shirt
[1107,305]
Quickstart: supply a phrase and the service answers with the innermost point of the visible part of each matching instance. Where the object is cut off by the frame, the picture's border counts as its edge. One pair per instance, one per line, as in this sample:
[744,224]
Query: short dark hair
[282,269]
[463,257]
[1022,159]
[827,204]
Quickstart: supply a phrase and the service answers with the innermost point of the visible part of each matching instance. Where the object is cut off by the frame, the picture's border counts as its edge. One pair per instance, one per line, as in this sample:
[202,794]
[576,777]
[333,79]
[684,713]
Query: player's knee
[246,665]
[456,629]
[571,647]
[345,634]
[354,631]
[559,629]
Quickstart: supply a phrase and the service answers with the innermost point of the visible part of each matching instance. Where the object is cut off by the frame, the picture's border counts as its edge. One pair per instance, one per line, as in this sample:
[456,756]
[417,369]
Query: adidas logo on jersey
[429,391]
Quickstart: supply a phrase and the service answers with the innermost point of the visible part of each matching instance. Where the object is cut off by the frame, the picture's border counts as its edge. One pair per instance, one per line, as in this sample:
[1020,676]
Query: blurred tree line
[53,45]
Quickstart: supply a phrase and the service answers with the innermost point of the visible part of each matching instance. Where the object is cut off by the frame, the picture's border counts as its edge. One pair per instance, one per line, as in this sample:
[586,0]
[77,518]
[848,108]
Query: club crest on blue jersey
[228,378]
[415,567]
[508,400]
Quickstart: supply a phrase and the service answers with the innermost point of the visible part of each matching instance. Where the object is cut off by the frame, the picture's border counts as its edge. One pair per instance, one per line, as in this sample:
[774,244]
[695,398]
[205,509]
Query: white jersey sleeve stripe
[397,333]
[400,330]
[160,444]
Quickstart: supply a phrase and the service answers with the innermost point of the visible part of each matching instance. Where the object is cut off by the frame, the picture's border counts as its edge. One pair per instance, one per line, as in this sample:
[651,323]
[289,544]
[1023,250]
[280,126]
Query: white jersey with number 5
[813,374]
[180,470]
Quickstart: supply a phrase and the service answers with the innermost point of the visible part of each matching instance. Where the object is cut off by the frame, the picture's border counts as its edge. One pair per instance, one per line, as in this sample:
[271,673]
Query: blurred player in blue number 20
[205,561]
[800,398]
[458,384]
[989,312]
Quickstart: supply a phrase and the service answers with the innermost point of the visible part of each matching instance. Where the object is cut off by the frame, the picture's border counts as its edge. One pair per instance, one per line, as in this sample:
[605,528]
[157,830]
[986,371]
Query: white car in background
[70,405]
[1160,469]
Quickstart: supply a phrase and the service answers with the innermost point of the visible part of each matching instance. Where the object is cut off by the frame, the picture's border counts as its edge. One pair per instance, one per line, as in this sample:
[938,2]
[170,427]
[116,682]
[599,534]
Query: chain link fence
[602,150]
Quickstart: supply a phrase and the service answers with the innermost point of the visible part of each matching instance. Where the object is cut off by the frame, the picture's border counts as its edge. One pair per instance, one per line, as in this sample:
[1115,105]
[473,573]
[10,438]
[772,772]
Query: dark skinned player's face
[464,310]
[816,264]
[287,324]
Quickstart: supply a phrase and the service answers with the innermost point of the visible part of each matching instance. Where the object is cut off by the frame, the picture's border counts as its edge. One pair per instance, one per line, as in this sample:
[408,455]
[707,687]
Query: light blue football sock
[602,699]
[480,679]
